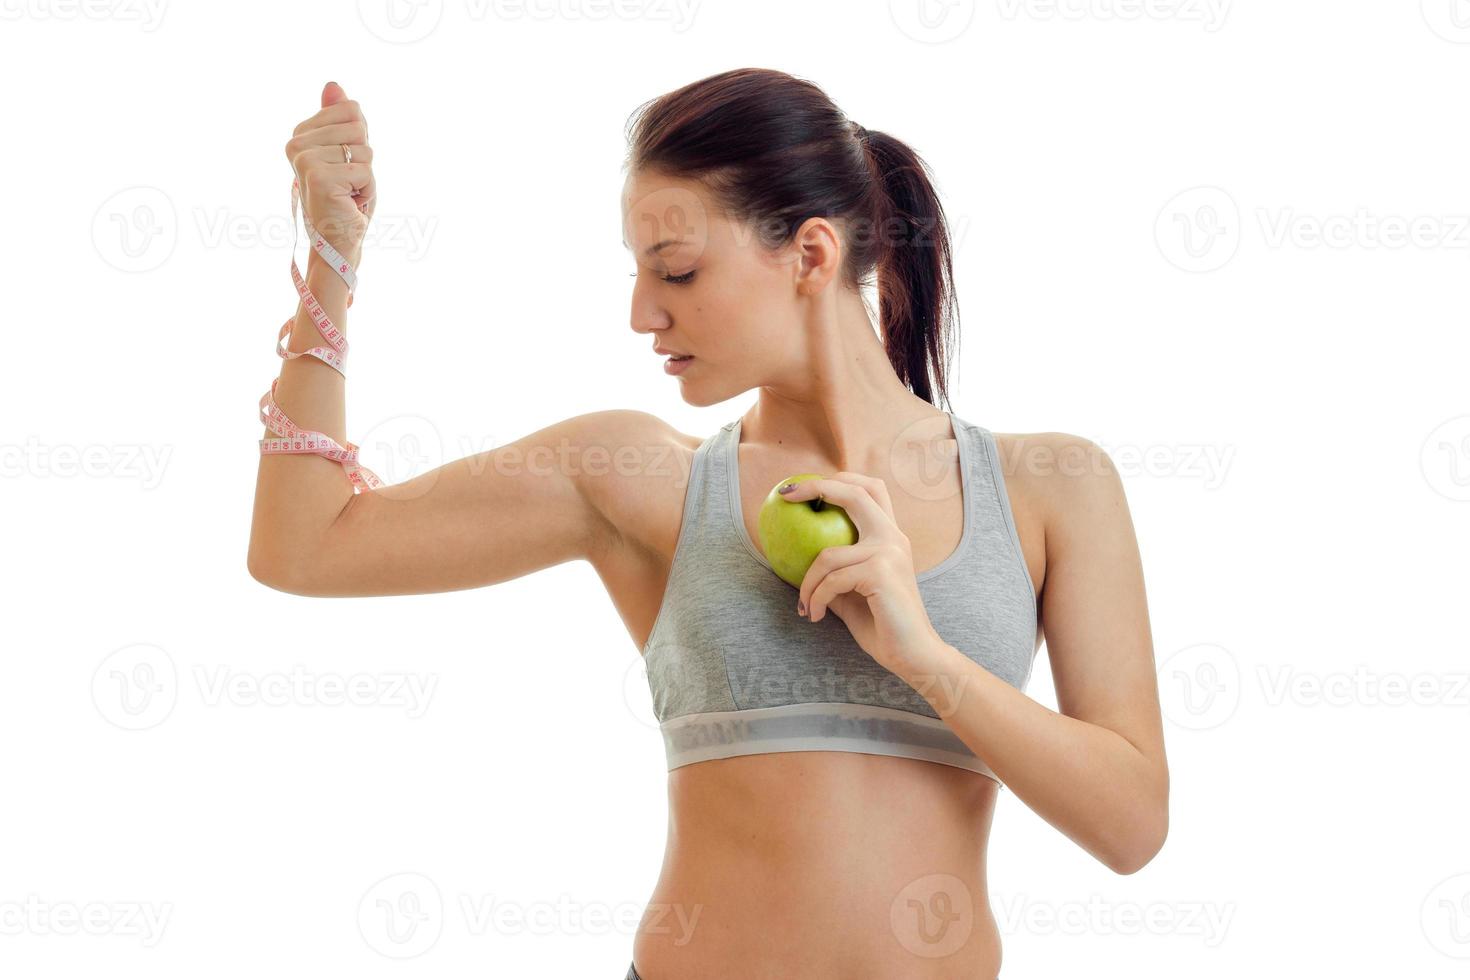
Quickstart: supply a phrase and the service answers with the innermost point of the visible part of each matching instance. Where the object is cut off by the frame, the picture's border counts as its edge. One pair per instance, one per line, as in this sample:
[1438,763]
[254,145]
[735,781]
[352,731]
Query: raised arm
[536,502]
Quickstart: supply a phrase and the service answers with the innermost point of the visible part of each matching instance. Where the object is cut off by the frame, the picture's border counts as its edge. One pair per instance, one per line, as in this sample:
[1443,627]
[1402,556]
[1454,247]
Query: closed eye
[685,279]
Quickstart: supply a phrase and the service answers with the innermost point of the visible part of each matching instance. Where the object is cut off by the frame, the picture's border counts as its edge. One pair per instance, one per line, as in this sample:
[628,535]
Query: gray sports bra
[734,671]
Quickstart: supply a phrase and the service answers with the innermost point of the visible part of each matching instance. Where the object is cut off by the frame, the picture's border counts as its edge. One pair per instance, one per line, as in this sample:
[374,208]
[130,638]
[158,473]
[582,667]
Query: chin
[702,397]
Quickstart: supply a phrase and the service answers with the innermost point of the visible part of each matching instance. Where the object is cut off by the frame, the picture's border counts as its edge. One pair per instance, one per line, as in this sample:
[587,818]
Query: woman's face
[707,286]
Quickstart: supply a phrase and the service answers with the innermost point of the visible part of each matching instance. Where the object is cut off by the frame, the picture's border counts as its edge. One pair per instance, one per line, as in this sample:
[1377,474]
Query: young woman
[835,749]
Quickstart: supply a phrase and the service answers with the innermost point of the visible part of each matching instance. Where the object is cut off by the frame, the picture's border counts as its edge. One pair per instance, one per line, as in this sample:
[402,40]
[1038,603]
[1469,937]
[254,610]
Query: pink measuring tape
[293,439]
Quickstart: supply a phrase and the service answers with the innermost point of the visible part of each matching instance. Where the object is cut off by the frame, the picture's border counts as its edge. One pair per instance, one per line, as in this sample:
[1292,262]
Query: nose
[646,315]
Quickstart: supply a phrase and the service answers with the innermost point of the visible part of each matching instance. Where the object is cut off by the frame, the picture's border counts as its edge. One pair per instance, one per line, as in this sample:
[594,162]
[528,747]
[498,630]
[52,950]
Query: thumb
[332,93]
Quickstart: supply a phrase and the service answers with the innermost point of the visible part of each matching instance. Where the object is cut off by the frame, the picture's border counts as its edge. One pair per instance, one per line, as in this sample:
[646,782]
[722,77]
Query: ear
[817,252]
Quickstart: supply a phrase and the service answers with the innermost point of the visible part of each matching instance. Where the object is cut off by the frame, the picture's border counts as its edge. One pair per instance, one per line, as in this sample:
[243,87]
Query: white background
[1225,241]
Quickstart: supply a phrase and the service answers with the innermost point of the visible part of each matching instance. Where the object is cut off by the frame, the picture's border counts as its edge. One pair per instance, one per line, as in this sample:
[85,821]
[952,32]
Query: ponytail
[917,307]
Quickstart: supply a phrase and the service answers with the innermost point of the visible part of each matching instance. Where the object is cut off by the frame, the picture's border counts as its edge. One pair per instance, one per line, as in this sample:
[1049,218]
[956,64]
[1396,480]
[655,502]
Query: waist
[823,864]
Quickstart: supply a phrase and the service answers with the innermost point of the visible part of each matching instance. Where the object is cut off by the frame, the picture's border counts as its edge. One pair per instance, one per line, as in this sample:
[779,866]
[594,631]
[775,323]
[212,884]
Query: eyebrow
[653,249]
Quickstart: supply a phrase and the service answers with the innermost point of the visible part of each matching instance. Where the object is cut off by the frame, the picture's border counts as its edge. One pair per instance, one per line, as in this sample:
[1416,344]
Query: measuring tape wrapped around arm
[290,438]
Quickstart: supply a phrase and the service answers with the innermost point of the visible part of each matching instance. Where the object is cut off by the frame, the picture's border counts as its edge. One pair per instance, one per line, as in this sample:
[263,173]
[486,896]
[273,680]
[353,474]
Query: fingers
[876,487]
[346,111]
[840,582]
[354,134]
[851,497]
[828,561]
[332,153]
[326,177]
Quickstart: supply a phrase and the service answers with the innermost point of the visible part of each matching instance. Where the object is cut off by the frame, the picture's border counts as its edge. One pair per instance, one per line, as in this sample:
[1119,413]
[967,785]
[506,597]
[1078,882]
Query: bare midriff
[822,864]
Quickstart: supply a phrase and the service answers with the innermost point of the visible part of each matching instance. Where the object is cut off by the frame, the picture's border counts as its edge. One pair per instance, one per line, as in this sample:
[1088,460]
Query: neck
[840,403]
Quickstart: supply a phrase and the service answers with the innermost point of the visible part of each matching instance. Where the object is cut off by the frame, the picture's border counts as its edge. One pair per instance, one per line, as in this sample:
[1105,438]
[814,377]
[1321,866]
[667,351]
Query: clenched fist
[339,197]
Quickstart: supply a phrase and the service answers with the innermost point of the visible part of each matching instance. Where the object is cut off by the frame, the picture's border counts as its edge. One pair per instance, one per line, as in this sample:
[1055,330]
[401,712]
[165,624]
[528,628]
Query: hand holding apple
[793,533]
[869,583]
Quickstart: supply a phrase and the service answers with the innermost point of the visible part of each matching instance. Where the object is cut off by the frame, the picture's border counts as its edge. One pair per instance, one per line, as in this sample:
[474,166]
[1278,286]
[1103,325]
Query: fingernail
[800,608]
[787,488]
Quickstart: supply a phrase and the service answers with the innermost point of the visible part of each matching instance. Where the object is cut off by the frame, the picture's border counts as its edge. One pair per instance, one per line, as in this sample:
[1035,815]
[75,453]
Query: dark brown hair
[774,150]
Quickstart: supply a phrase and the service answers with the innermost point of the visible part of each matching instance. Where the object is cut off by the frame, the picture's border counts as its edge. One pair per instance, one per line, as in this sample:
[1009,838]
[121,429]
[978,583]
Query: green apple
[794,532]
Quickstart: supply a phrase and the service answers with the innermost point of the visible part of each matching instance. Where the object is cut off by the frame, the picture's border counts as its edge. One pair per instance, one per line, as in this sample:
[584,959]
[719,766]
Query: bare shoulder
[1062,478]
[634,470]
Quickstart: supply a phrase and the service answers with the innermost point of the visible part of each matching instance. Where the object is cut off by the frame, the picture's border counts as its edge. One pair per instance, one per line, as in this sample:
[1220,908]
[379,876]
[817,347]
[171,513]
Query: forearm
[1085,780]
[297,497]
